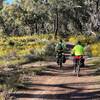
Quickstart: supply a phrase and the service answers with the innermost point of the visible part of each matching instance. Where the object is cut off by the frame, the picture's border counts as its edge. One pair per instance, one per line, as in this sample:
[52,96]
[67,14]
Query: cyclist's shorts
[78,57]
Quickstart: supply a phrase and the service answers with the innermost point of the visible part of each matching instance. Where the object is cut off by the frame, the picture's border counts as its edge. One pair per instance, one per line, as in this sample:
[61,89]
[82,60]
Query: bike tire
[78,70]
[60,63]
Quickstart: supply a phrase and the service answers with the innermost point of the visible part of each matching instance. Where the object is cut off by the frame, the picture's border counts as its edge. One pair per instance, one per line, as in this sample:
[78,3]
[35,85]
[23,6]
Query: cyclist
[78,52]
[60,47]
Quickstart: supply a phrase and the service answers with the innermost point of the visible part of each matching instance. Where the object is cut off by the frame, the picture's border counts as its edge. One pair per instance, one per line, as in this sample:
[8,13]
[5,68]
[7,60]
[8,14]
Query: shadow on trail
[67,85]
[56,70]
[75,95]
[66,70]
[76,91]
[97,72]
[64,67]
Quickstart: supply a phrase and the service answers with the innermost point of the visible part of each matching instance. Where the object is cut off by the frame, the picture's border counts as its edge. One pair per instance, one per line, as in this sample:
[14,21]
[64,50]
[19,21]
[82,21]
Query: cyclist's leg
[61,60]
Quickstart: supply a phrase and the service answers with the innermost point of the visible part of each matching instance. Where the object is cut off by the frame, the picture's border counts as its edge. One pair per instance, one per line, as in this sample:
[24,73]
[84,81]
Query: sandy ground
[57,84]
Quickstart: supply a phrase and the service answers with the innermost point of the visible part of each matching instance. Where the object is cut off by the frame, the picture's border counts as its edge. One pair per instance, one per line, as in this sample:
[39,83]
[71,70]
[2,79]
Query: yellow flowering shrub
[95,48]
[73,40]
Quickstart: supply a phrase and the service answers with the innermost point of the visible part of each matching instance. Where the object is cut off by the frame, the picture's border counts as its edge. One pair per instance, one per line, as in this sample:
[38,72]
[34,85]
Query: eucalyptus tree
[35,15]
[60,17]
[50,16]
[87,15]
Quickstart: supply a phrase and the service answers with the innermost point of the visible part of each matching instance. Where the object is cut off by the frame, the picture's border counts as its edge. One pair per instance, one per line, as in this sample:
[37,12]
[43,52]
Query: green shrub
[50,49]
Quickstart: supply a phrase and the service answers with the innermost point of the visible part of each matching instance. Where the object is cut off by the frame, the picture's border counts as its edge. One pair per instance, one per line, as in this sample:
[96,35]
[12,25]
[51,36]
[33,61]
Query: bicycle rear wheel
[60,63]
[78,70]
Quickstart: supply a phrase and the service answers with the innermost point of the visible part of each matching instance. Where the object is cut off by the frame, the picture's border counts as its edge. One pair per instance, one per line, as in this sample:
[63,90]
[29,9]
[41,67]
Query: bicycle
[78,63]
[60,59]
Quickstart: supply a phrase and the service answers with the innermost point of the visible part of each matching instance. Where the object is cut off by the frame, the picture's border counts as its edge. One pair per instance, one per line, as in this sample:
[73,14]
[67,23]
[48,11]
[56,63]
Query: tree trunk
[36,27]
[97,3]
[57,19]
[1,4]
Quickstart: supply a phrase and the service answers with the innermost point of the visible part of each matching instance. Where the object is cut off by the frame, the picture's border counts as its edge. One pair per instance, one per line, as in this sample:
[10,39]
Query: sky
[9,1]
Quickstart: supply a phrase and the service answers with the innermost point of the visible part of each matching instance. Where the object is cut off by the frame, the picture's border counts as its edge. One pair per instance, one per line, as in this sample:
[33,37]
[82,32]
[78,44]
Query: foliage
[50,49]
[21,49]
[50,16]
[73,40]
[95,48]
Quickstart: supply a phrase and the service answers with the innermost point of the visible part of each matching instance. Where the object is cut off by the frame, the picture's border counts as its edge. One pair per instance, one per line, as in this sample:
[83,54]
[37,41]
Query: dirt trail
[56,84]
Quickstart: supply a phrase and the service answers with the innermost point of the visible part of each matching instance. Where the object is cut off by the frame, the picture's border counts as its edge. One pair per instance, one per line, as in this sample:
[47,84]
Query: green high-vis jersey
[78,50]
